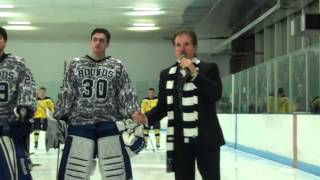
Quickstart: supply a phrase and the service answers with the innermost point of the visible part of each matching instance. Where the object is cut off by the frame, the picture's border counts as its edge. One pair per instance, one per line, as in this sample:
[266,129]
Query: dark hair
[190,33]
[102,30]
[151,89]
[3,33]
[280,90]
[43,88]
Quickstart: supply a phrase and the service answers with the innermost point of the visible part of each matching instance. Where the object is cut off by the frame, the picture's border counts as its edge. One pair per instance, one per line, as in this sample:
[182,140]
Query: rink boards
[283,138]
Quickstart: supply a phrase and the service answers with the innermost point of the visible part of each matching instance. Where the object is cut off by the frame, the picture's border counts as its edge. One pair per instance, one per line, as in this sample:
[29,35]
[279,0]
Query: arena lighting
[6,6]
[7,14]
[19,22]
[19,28]
[143,28]
[144,13]
[143,24]
[146,9]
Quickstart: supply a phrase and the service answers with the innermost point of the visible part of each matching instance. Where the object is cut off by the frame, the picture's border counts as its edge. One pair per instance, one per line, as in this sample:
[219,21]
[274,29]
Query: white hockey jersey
[17,86]
[94,91]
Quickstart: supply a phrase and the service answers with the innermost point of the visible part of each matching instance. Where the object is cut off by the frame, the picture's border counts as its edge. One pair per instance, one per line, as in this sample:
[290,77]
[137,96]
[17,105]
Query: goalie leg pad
[8,161]
[113,159]
[14,161]
[23,159]
[77,159]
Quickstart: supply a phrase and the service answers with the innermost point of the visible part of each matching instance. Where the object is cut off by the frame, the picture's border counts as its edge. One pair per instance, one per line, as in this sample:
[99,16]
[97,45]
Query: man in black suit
[188,91]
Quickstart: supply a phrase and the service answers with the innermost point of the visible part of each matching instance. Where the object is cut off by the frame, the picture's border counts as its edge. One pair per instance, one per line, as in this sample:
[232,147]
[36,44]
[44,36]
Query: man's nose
[183,51]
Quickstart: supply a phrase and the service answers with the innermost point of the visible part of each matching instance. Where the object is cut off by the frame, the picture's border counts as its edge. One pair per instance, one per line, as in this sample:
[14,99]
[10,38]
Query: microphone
[185,71]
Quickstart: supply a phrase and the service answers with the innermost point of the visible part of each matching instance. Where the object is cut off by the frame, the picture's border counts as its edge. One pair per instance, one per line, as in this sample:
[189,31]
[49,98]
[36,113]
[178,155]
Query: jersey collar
[97,61]
[3,57]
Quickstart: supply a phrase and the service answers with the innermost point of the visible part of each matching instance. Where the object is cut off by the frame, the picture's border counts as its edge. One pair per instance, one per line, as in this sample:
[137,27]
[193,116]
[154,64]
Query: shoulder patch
[116,60]
[76,59]
[16,59]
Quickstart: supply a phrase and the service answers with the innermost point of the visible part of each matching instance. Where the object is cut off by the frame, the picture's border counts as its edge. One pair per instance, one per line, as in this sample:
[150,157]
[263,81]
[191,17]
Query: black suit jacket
[209,89]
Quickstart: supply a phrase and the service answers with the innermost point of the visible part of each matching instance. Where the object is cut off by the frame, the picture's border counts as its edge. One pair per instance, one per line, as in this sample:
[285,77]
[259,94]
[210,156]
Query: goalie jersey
[17,86]
[94,91]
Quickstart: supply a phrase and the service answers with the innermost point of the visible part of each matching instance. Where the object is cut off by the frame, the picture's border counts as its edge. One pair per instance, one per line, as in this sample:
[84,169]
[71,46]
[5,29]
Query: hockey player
[96,96]
[40,116]
[146,105]
[17,104]
[315,105]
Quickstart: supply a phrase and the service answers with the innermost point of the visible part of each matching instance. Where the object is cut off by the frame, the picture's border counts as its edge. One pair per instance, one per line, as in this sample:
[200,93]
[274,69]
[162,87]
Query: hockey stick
[50,118]
[57,176]
[151,140]
[152,144]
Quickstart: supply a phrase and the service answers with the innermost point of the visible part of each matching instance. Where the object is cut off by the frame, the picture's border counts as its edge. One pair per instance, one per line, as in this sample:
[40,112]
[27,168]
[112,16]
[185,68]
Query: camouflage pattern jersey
[95,91]
[17,86]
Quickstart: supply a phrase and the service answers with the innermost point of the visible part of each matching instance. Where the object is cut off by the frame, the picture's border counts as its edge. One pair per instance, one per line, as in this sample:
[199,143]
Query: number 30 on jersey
[97,88]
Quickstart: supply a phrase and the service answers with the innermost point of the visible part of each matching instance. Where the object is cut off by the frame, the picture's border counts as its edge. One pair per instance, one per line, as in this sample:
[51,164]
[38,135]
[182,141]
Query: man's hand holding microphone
[188,69]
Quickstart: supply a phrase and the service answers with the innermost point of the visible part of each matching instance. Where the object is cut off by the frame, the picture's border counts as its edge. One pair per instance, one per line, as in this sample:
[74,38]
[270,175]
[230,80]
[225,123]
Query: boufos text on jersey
[96,72]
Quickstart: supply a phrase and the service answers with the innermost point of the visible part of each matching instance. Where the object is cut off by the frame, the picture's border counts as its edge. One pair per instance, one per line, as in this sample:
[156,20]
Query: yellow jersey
[315,105]
[283,105]
[147,104]
[42,105]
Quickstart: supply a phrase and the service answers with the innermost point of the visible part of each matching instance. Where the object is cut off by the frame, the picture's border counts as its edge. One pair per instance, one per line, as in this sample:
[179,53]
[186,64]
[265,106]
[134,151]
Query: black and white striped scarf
[189,110]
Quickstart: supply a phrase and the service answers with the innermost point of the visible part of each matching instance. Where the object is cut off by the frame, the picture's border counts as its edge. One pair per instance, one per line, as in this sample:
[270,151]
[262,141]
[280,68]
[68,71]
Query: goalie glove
[21,124]
[132,136]
[23,114]
[56,131]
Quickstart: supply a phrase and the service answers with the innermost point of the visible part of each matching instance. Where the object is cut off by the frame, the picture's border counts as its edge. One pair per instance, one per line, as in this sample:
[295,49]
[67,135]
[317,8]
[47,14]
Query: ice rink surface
[150,165]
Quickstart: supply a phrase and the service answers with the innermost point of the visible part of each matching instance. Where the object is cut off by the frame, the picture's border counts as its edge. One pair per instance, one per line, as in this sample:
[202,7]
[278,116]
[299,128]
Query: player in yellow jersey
[146,105]
[315,105]
[283,102]
[40,116]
